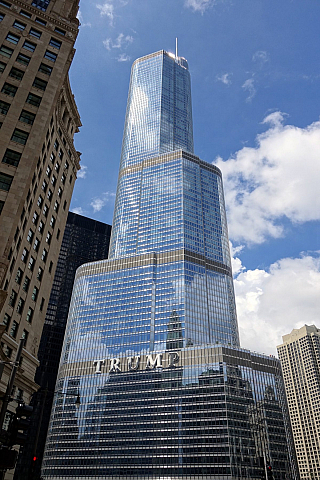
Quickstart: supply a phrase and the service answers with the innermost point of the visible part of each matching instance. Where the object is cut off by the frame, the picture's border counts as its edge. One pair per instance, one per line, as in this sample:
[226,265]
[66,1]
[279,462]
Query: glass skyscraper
[152,343]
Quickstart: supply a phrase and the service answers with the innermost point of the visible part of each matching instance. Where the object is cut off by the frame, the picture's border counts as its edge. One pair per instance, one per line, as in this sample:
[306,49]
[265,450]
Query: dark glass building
[152,344]
[84,240]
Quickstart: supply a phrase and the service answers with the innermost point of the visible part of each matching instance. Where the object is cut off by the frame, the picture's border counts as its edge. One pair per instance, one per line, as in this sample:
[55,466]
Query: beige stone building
[38,169]
[300,359]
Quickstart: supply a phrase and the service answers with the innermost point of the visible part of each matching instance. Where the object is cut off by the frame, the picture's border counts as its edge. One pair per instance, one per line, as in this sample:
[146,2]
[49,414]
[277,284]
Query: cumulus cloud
[99,202]
[122,41]
[272,302]
[107,9]
[82,172]
[249,87]
[261,57]
[277,178]
[224,78]
[78,210]
[199,5]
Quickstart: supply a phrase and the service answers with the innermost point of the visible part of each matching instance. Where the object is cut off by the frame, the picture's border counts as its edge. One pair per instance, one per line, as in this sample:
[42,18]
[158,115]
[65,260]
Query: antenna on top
[176,47]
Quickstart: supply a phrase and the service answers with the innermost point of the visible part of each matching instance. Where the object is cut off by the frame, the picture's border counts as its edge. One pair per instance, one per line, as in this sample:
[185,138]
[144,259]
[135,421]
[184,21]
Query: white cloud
[260,57]
[224,78]
[121,41]
[270,303]
[199,5]
[123,57]
[277,178]
[99,202]
[78,210]
[80,18]
[249,87]
[82,172]
[108,10]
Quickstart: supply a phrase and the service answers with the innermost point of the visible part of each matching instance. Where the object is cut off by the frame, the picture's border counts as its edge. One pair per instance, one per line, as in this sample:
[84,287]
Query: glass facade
[160,396]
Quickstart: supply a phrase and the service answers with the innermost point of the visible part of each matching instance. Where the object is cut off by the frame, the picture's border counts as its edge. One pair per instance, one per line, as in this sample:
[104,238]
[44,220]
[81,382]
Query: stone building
[38,169]
[300,359]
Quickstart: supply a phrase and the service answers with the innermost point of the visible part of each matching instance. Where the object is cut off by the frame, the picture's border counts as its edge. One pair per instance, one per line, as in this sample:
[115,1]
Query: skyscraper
[152,344]
[300,359]
[38,169]
[84,240]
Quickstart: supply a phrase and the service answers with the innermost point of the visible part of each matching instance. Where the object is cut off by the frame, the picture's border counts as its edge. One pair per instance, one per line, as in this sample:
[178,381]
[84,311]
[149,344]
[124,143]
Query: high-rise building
[152,345]
[38,168]
[84,240]
[300,359]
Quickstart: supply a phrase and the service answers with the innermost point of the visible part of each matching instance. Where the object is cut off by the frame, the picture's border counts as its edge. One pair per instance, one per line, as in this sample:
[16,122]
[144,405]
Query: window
[39,274]
[61,32]
[19,276]
[56,206]
[50,267]
[29,46]
[40,84]
[57,167]
[56,144]
[9,89]
[42,22]
[52,157]
[55,43]
[60,154]
[50,56]
[41,304]
[64,204]
[31,264]
[1,205]
[23,59]
[2,15]
[12,299]
[6,51]
[16,73]
[4,107]
[5,4]
[58,234]
[53,180]
[48,238]
[25,14]
[36,244]
[49,195]
[29,315]
[35,218]
[41,4]
[33,99]
[27,117]
[70,179]
[44,255]
[6,320]
[25,335]
[44,186]
[30,236]
[60,191]
[14,329]
[41,226]
[40,200]
[63,179]
[48,171]
[20,306]
[20,136]
[66,165]
[11,37]
[45,210]
[19,25]
[52,221]
[35,33]
[34,295]
[45,69]
[11,157]
[2,66]
[24,255]
[26,284]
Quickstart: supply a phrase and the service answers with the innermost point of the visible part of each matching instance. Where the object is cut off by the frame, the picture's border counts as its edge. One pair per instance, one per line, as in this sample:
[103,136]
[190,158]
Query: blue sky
[255,73]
